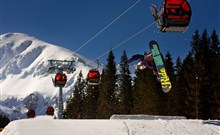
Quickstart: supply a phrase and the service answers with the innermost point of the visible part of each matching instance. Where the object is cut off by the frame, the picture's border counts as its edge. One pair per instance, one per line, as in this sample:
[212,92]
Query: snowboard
[164,78]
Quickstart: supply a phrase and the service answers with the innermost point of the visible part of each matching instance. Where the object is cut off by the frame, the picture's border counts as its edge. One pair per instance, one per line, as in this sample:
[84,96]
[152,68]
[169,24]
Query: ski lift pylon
[59,67]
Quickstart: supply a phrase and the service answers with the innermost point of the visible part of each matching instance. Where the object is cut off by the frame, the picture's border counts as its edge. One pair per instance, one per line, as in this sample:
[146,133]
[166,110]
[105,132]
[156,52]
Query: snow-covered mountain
[24,80]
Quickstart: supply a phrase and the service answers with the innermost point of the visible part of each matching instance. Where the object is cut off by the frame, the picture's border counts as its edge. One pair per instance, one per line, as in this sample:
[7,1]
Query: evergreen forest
[195,91]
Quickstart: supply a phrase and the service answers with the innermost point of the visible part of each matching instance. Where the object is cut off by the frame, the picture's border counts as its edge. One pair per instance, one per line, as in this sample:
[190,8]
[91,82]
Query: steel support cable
[97,34]
[126,40]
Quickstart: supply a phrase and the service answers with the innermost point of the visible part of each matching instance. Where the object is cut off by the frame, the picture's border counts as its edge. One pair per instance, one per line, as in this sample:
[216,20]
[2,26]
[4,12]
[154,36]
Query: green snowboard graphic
[164,78]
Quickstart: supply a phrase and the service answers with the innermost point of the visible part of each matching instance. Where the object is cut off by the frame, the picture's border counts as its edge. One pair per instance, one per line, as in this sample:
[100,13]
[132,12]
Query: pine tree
[125,87]
[75,104]
[191,87]
[4,121]
[180,91]
[215,76]
[102,110]
[203,63]
[200,84]
[172,95]
[138,92]
[191,76]
[91,102]
[195,43]
[107,99]
[145,93]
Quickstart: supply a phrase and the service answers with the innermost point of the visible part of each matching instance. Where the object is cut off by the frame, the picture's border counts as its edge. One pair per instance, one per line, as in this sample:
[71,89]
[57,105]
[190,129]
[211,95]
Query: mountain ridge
[24,65]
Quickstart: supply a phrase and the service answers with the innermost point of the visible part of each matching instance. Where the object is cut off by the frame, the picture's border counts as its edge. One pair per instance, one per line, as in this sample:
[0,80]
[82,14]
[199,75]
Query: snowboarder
[145,61]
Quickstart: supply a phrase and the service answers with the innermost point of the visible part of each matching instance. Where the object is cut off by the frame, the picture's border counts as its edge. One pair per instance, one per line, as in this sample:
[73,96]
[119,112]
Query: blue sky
[73,23]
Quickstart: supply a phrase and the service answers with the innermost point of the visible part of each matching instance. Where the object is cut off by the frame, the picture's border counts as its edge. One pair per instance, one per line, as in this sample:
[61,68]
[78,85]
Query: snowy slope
[46,125]
[24,79]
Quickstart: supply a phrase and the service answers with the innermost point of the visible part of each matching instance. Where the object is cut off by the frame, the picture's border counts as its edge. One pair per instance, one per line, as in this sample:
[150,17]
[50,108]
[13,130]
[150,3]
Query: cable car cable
[115,47]
[97,34]
[126,40]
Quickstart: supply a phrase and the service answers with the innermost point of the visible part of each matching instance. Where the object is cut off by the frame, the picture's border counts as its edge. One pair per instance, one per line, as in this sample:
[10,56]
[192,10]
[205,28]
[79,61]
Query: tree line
[4,121]
[195,91]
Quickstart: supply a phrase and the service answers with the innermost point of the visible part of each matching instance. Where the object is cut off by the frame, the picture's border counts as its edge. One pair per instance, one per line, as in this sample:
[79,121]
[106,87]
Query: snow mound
[45,125]
[146,117]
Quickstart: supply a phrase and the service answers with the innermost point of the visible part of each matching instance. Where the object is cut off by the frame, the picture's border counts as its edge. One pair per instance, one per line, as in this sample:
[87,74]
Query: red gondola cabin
[174,17]
[50,110]
[31,113]
[93,77]
[60,80]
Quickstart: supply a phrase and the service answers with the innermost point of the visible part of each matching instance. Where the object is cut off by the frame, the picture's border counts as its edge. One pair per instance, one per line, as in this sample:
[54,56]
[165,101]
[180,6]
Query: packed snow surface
[46,125]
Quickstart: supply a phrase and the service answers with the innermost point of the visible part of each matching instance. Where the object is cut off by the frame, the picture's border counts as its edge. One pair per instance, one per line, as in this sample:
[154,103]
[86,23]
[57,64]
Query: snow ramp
[45,125]
[146,117]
